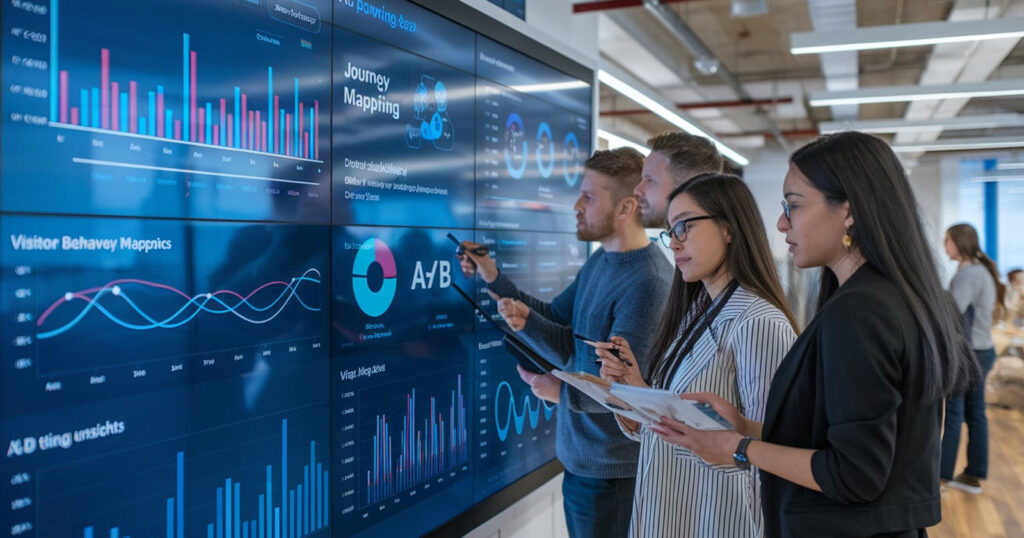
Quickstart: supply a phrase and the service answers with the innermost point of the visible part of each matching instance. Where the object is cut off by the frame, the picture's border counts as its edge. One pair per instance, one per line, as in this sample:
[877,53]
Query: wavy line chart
[514,418]
[220,302]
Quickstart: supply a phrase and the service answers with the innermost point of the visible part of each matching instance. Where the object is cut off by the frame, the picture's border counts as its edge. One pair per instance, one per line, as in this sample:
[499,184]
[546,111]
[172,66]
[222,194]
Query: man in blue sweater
[620,291]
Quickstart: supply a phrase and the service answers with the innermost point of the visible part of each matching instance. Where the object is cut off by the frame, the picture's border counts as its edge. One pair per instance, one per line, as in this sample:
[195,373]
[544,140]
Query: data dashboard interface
[226,303]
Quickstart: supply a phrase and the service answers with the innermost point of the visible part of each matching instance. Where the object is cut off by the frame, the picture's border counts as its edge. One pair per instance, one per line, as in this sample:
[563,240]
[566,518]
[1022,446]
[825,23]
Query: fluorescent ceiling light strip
[905,35]
[963,144]
[897,125]
[666,114]
[1010,166]
[891,94]
[616,141]
[551,86]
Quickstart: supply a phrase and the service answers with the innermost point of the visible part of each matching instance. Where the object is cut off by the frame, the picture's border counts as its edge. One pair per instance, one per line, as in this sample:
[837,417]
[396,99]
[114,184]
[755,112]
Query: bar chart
[211,459]
[439,446]
[166,122]
[402,416]
[233,122]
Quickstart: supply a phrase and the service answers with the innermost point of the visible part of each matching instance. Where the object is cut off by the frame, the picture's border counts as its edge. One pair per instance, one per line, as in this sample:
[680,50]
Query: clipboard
[529,359]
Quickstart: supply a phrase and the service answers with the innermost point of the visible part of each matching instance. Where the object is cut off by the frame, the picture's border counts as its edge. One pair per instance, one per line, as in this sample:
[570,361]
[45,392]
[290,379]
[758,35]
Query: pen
[460,250]
[613,351]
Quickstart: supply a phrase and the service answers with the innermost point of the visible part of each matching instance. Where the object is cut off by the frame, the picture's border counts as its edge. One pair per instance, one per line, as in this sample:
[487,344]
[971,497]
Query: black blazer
[848,389]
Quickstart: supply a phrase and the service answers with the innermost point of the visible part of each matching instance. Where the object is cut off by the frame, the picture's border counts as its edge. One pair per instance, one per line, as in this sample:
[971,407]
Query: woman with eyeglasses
[725,330]
[849,445]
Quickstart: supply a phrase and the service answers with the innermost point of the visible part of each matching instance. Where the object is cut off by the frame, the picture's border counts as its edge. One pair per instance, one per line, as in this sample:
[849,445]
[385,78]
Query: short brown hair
[688,155]
[624,165]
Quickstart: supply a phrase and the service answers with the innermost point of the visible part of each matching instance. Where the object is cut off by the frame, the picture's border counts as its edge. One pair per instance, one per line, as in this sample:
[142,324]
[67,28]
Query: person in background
[1015,298]
[675,157]
[620,290]
[849,445]
[725,330]
[979,295]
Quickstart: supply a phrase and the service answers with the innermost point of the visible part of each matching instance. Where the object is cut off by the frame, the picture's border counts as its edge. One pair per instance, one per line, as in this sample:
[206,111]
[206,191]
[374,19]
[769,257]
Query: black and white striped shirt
[677,494]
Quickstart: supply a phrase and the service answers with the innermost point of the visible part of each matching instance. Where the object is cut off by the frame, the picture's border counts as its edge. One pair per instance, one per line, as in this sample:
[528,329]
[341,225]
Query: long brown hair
[747,257]
[965,239]
[856,167]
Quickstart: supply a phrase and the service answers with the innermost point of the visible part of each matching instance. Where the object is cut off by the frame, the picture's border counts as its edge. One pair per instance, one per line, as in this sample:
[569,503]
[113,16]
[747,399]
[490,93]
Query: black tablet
[529,359]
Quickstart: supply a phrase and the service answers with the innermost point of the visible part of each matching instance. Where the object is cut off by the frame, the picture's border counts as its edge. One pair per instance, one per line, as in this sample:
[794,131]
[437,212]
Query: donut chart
[373,303]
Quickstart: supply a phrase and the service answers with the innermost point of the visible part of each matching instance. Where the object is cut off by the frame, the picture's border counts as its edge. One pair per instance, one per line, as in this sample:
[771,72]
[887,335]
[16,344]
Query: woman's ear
[848,221]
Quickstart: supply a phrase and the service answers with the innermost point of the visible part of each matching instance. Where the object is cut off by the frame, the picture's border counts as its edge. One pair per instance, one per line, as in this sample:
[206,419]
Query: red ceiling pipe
[800,133]
[584,7]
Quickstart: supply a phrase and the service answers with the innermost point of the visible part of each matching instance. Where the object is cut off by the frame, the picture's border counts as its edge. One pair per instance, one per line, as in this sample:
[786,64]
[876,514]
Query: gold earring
[847,239]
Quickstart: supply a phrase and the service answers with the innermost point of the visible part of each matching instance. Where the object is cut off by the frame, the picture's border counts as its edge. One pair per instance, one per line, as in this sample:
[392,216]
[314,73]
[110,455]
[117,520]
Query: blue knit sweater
[614,294]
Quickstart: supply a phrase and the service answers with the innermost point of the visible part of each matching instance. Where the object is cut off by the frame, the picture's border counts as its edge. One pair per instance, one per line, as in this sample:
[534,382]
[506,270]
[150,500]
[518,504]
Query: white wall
[537,515]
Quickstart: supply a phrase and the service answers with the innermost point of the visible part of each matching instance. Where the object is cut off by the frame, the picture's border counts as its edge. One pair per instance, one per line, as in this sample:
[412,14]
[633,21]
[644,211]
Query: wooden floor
[999,510]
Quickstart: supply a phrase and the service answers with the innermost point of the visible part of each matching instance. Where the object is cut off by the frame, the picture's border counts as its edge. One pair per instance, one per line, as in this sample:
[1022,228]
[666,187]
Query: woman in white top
[725,330]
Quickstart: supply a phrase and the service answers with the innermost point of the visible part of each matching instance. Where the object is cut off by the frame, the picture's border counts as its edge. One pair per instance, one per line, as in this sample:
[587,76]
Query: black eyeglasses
[679,230]
[786,208]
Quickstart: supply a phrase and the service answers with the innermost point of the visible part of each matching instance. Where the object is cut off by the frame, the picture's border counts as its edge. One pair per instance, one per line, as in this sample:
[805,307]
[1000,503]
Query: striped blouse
[676,493]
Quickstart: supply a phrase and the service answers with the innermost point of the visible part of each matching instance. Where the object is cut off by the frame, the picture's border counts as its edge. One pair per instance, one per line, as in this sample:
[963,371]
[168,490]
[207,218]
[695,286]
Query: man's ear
[627,207]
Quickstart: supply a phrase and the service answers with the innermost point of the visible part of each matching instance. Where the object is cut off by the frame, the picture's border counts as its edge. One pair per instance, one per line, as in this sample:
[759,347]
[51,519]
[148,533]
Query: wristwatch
[740,456]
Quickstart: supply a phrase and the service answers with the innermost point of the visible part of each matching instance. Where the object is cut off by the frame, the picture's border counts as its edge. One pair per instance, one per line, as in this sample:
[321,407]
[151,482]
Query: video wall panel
[226,303]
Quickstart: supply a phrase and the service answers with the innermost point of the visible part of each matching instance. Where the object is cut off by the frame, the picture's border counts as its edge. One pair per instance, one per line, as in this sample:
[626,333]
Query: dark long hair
[863,170]
[965,239]
[747,257]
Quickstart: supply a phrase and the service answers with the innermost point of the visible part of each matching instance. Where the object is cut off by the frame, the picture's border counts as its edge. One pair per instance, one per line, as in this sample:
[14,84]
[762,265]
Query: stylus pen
[460,250]
[591,343]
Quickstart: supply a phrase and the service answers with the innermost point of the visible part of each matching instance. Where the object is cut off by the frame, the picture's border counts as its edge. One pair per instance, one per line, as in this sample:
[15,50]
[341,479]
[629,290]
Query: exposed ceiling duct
[707,59]
[840,68]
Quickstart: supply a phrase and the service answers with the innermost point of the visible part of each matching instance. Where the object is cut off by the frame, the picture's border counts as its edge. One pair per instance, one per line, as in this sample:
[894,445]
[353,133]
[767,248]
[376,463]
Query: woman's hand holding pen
[618,364]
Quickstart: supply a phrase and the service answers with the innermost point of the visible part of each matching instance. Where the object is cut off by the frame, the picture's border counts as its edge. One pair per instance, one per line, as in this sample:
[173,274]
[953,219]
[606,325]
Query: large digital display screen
[226,303]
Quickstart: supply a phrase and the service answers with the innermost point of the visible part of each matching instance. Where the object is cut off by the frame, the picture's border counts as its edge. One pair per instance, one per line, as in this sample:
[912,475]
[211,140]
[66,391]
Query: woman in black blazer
[850,442]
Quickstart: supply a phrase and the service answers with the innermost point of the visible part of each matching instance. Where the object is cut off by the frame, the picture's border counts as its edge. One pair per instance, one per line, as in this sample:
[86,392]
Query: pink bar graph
[216,135]
[227,137]
[244,113]
[277,114]
[223,118]
[287,134]
[105,88]
[248,133]
[160,115]
[133,107]
[177,129]
[74,115]
[302,117]
[63,96]
[305,144]
[256,144]
[316,130]
[263,136]
[192,95]
[202,126]
[115,106]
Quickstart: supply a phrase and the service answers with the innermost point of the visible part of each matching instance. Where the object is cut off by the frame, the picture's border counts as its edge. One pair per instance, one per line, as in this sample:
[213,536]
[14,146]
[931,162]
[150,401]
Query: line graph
[209,302]
[515,418]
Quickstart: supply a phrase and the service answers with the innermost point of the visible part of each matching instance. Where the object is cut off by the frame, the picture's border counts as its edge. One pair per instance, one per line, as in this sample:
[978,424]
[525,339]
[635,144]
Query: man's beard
[651,219]
[596,232]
